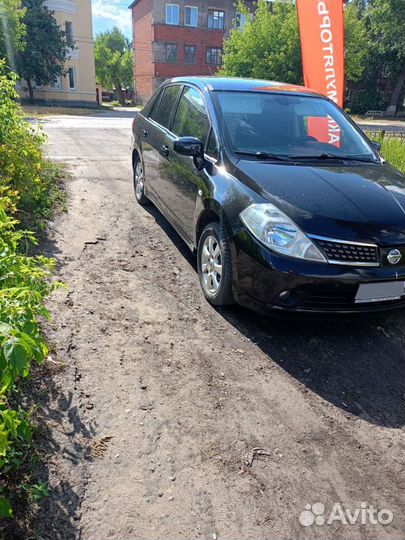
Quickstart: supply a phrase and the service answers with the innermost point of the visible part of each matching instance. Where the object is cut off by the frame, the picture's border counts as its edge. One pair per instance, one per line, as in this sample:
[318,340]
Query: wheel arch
[135,154]
[212,211]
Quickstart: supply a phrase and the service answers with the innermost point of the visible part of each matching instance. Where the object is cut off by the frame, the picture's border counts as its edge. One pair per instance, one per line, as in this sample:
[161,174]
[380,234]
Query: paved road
[375,124]
[164,398]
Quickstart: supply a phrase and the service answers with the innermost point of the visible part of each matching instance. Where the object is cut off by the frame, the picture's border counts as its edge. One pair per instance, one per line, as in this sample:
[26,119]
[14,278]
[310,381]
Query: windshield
[290,126]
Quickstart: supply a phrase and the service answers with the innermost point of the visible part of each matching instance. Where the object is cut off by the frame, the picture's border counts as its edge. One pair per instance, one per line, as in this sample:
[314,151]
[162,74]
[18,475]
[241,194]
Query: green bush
[27,189]
[23,169]
[361,102]
[24,284]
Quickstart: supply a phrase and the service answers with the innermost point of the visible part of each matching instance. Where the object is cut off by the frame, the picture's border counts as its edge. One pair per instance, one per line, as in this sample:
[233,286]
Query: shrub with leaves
[23,168]
[27,188]
[24,284]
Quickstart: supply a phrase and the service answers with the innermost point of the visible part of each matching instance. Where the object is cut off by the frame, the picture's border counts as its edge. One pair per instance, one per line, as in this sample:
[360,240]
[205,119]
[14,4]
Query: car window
[151,104]
[191,116]
[212,145]
[289,125]
[163,112]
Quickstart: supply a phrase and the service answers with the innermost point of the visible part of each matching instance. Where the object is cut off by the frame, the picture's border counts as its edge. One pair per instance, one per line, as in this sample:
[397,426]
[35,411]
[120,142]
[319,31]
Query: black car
[286,202]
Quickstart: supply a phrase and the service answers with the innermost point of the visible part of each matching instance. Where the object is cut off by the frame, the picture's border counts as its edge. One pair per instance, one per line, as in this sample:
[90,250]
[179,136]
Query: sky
[110,13]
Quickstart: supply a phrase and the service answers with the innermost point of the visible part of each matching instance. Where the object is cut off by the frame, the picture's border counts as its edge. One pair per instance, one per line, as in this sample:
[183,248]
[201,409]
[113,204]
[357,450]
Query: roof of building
[242,84]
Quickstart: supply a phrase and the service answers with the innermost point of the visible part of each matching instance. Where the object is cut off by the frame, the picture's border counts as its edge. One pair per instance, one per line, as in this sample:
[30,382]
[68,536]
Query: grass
[53,201]
[393,150]
[39,111]
[53,177]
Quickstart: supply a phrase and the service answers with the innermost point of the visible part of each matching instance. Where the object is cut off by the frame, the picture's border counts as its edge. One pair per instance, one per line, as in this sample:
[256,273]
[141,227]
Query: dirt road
[163,398]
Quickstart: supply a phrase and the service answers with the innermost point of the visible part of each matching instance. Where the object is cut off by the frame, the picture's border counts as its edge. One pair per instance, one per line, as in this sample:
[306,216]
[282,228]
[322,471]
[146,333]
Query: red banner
[322,44]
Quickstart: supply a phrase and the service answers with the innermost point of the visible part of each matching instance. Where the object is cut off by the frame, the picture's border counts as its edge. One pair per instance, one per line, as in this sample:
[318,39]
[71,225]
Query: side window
[212,145]
[167,103]
[151,105]
[191,117]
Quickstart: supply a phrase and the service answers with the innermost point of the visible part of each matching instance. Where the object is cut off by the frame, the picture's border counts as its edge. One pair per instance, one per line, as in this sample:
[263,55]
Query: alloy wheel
[139,181]
[211,264]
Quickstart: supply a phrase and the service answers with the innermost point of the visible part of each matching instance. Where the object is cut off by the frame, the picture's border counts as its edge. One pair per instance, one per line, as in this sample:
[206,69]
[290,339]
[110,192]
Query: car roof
[237,84]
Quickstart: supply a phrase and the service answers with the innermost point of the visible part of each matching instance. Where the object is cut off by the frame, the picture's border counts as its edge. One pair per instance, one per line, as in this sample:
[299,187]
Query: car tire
[139,182]
[214,263]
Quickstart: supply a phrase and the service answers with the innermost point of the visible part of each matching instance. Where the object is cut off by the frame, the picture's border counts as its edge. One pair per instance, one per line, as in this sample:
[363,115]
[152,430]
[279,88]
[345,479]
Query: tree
[12,30]
[387,23]
[268,45]
[44,56]
[358,53]
[114,61]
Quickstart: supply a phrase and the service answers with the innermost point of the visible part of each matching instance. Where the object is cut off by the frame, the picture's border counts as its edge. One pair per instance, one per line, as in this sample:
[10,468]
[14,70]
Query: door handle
[145,132]
[165,150]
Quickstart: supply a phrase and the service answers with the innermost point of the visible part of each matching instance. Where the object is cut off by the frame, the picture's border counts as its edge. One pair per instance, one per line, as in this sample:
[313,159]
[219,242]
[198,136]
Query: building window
[171,52]
[172,14]
[216,19]
[69,33]
[214,56]
[240,20]
[72,78]
[191,16]
[57,83]
[190,54]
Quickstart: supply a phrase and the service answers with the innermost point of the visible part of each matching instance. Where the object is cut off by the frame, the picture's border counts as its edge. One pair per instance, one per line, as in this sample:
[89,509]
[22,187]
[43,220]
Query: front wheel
[139,182]
[214,265]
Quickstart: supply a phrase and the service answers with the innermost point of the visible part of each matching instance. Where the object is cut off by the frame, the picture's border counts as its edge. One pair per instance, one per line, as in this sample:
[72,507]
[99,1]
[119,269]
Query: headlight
[277,231]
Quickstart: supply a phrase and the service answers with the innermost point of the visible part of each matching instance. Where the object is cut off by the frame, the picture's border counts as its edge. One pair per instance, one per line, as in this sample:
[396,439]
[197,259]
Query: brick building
[178,37]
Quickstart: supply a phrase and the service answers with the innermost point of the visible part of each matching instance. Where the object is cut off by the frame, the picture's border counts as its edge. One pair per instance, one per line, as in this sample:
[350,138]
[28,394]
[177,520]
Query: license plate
[380,292]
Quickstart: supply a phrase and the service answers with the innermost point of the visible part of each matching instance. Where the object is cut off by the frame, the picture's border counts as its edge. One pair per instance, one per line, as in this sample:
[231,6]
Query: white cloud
[113,11]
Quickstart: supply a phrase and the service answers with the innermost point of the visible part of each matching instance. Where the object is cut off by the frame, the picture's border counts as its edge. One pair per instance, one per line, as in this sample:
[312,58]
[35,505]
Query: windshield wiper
[331,155]
[263,155]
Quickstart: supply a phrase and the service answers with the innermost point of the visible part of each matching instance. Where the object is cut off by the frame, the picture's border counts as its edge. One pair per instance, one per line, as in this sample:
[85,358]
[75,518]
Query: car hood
[357,202]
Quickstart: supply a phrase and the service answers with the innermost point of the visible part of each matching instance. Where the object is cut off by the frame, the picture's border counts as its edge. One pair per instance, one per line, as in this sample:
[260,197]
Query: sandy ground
[163,398]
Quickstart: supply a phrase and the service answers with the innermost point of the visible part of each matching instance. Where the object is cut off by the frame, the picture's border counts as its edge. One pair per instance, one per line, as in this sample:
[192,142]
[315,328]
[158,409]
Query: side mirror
[376,145]
[189,146]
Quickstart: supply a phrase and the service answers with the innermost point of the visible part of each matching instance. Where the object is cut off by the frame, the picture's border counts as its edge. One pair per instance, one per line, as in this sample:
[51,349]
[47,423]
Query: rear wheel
[139,182]
[214,265]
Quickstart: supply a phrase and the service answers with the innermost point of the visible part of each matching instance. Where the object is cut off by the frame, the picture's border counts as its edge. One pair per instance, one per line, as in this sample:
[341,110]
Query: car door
[184,180]
[153,136]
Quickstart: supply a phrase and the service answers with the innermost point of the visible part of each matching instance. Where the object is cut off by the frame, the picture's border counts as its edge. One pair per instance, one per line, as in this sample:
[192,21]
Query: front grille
[342,303]
[348,253]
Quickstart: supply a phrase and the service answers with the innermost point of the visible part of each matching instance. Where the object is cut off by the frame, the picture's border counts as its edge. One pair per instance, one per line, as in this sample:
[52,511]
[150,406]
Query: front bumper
[260,276]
